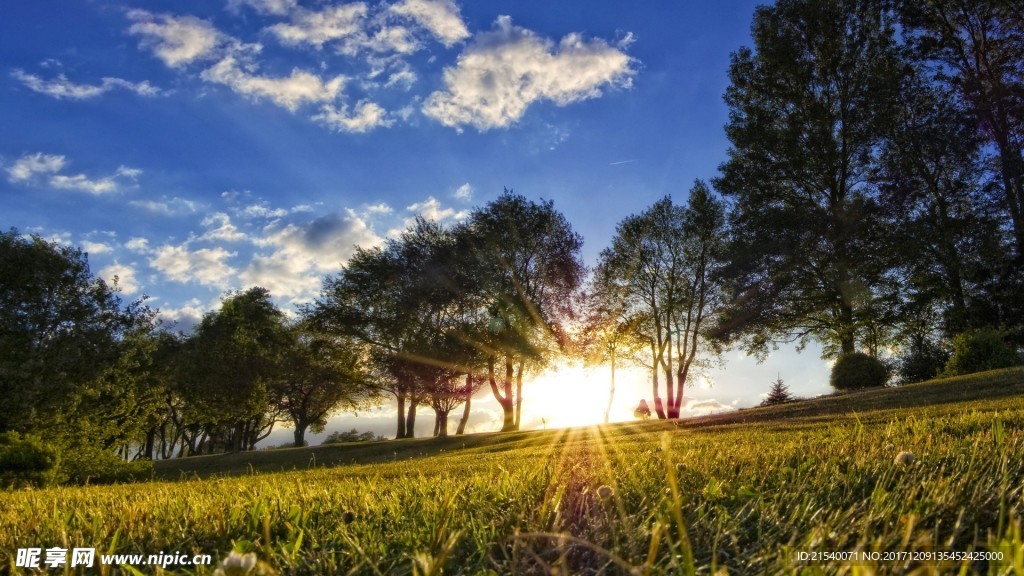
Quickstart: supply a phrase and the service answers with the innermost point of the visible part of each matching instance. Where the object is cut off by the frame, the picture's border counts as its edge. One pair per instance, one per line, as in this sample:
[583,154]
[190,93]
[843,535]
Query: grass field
[742,493]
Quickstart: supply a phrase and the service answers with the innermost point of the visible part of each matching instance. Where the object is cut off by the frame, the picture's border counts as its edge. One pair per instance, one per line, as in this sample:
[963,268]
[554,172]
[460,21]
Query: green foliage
[26,461]
[809,106]
[61,334]
[88,464]
[858,370]
[353,435]
[921,362]
[982,349]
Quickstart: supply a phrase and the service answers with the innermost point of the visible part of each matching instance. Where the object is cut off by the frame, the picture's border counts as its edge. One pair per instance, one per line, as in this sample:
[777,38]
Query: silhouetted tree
[526,259]
[660,274]
[810,106]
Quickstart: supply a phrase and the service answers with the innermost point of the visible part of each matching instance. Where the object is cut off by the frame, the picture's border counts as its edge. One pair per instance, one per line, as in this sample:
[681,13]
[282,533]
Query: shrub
[982,349]
[94,465]
[352,435]
[921,362]
[858,370]
[26,461]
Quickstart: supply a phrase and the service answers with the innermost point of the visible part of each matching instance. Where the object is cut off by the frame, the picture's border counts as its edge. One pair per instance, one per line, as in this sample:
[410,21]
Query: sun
[570,395]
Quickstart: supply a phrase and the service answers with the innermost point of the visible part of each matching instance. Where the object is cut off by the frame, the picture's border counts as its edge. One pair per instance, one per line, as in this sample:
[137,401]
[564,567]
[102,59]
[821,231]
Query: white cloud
[167,206]
[317,28]
[177,40]
[288,92]
[402,78]
[325,242]
[184,318]
[220,229]
[366,116]
[276,7]
[504,71]
[137,244]
[440,17]
[431,210]
[84,183]
[301,253]
[205,266]
[29,165]
[695,407]
[125,276]
[62,88]
[464,192]
[91,247]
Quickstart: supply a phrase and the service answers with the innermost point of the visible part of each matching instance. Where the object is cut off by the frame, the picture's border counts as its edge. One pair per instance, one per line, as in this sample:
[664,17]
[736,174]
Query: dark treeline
[872,201]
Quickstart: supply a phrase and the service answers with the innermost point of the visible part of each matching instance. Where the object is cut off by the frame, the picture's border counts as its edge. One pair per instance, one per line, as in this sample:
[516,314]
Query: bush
[351,436]
[94,465]
[922,362]
[980,350]
[858,370]
[26,461]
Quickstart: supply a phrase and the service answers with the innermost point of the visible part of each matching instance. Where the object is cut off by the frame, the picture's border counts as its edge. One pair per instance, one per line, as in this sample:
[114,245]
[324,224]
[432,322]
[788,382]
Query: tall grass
[739,499]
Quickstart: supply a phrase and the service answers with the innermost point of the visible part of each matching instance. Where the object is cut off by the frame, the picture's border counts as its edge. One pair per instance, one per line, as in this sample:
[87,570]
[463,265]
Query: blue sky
[196,147]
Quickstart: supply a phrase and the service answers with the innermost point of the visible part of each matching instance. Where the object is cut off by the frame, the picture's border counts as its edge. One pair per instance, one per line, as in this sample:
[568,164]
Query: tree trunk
[437,423]
[611,392]
[401,416]
[465,411]
[507,407]
[519,394]
[659,408]
[410,421]
[300,434]
[442,425]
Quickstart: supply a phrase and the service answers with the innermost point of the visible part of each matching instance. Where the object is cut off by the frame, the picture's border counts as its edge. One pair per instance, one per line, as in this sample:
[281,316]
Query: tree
[321,374]
[526,259]
[779,394]
[660,274]
[234,364]
[977,48]
[64,340]
[408,302]
[809,108]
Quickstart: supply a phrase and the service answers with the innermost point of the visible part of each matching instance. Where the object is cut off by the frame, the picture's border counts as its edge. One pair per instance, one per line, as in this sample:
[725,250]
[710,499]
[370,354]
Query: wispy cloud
[318,28]
[365,117]
[62,88]
[504,71]
[440,17]
[275,7]
[40,168]
[464,192]
[621,162]
[288,92]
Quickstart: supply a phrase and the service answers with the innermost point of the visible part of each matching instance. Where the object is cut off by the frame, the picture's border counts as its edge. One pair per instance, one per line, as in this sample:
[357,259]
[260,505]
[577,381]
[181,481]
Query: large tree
[402,301]
[809,107]
[525,259]
[660,277]
[69,347]
[234,365]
